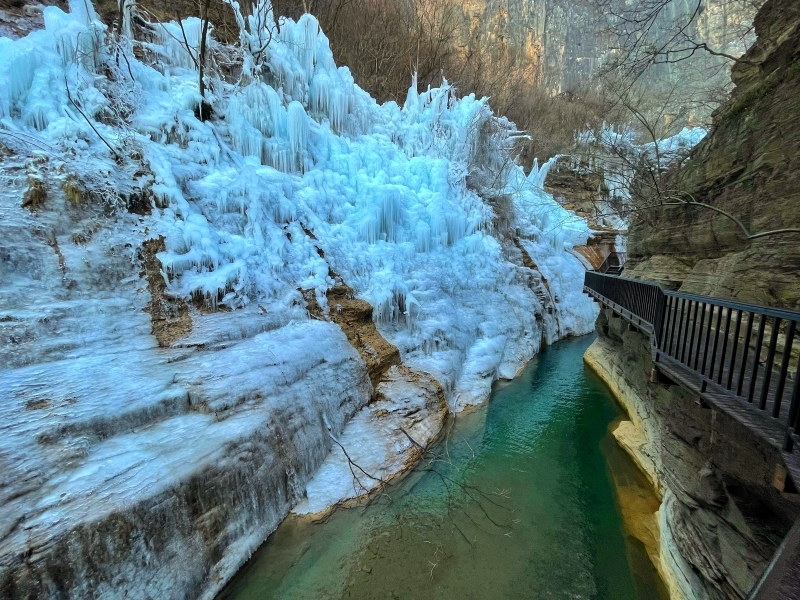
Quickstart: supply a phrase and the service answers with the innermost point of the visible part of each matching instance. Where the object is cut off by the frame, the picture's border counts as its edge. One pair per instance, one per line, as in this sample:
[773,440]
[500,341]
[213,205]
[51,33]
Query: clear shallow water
[517,502]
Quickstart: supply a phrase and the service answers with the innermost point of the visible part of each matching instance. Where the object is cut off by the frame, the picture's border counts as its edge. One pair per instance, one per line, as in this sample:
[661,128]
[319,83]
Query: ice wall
[295,147]
[156,470]
[129,469]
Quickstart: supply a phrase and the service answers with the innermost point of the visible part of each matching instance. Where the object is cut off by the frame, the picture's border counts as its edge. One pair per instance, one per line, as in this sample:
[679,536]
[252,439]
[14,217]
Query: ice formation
[295,146]
[615,152]
[298,177]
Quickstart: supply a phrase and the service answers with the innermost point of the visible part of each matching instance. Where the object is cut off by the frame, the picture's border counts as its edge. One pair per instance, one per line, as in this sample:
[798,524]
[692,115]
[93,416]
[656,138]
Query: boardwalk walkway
[740,358]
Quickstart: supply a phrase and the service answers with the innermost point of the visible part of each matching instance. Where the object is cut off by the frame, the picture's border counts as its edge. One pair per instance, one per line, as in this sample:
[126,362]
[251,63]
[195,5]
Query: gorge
[232,296]
[729,494]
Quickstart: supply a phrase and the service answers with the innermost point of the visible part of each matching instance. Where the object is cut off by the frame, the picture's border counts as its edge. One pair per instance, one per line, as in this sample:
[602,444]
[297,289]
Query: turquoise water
[517,501]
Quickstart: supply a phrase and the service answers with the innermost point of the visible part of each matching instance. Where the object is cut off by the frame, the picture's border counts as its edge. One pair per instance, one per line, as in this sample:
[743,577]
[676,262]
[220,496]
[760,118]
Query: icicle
[83,12]
[297,123]
[412,105]
[127,10]
[305,40]
[537,176]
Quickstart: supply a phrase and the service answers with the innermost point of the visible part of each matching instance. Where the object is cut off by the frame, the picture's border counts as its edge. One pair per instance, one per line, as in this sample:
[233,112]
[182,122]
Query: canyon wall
[747,166]
[726,499]
[565,42]
[558,38]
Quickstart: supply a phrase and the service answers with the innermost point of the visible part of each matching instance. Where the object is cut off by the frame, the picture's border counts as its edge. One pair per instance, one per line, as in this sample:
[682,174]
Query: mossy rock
[74,191]
[36,194]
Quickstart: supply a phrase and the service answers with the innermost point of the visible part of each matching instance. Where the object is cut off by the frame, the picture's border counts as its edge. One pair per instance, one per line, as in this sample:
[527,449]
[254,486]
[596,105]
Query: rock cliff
[726,500]
[564,40]
[748,166]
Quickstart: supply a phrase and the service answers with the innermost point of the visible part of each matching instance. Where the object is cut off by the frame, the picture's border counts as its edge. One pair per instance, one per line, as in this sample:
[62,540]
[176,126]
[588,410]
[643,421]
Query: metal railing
[638,301]
[742,350]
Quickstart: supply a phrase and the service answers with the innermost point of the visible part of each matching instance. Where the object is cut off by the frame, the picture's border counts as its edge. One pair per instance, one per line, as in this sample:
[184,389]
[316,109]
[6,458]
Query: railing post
[745,348]
[691,336]
[773,343]
[661,307]
[789,442]
[762,323]
[674,342]
[732,366]
[716,342]
[669,321]
[787,356]
[724,346]
[700,335]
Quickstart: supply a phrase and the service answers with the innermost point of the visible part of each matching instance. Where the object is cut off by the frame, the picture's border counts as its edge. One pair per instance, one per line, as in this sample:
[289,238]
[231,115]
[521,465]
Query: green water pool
[517,502]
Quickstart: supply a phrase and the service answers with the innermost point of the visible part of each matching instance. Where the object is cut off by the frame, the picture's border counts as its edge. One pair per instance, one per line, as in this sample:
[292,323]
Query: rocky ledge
[726,500]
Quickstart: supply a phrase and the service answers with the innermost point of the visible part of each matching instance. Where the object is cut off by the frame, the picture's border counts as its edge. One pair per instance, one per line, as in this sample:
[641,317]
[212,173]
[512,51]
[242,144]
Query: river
[518,501]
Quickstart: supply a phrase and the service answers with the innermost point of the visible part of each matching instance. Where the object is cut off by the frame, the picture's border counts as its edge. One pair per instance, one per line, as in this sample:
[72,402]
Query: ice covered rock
[153,461]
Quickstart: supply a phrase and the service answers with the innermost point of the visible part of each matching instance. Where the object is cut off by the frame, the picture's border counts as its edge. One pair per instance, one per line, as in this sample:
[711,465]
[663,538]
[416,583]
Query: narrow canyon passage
[519,501]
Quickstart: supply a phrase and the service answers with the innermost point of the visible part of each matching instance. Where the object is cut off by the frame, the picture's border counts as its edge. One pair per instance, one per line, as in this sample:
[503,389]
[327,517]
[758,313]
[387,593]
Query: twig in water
[466,441]
[413,441]
[352,464]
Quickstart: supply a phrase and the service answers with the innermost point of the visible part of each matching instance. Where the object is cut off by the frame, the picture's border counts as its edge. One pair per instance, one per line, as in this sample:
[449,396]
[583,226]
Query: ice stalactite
[538,175]
[179,43]
[297,124]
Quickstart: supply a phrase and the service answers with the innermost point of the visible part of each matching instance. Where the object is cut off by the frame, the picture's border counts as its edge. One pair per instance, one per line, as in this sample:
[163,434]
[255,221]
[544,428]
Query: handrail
[731,346]
[767,310]
[639,299]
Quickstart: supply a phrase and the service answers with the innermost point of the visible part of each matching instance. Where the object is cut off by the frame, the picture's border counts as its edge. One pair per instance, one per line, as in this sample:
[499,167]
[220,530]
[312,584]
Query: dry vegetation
[384,41]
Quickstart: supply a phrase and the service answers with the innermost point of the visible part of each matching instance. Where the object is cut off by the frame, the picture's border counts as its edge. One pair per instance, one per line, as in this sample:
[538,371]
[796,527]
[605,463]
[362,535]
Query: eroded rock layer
[747,166]
[726,501]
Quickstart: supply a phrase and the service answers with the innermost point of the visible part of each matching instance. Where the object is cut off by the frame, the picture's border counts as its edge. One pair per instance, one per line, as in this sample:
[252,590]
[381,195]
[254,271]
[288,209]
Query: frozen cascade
[606,145]
[297,123]
[299,178]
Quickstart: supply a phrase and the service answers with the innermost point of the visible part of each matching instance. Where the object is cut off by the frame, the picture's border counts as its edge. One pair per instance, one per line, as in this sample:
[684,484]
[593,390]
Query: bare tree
[642,167]
[205,108]
[647,33]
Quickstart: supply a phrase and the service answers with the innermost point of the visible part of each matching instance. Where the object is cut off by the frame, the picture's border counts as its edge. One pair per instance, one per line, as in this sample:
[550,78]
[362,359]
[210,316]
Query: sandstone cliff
[748,166]
[726,499]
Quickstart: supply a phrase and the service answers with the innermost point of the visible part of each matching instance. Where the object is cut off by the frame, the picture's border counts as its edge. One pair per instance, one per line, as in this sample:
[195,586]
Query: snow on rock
[618,153]
[374,448]
[179,459]
[157,457]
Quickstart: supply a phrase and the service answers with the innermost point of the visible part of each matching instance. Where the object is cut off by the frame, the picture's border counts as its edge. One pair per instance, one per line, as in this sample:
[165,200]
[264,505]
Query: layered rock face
[727,500]
[558,38]
[747,166]
[725,497]
[130,469]
[581,191]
